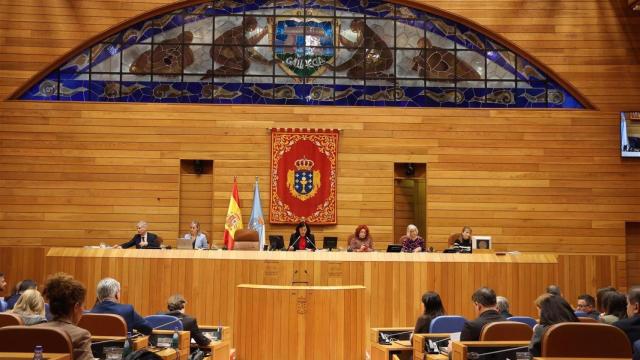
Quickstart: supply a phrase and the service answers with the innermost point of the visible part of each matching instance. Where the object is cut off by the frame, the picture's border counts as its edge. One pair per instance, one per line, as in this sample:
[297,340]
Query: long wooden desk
[394,282]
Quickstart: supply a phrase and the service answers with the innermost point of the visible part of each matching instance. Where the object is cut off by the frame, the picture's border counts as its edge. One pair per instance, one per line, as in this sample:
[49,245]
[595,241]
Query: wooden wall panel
[73,174]
[633,254]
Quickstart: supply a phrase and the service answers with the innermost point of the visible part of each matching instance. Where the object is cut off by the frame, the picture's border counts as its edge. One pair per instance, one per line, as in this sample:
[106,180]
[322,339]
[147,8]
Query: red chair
[577,339]
[103,324]
[506,331]
[246,239]
[9,319]
[25,338]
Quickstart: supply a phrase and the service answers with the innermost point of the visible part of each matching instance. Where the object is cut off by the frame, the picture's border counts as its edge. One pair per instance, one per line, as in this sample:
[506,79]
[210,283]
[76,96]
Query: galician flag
[234,217]
[256,222]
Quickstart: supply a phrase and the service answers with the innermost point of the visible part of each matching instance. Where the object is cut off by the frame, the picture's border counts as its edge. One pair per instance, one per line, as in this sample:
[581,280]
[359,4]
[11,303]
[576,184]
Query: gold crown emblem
[304,164]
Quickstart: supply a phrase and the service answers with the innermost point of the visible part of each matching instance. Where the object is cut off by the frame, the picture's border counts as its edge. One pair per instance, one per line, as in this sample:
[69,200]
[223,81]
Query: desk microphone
[388,338]
[133,336]
[163,325]
[475,355]
[432,345]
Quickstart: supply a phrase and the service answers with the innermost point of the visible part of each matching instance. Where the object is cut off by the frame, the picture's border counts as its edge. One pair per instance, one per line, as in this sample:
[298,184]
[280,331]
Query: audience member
[502,304]
[3,285]
[585,307]
[484,303]
[631,325]
[552,309]
[176,304]
[615,305]
[361,240]
[412,242]
[432,308]
[30,307]
[108,291]
[554,290]
[600,307]
[302,239]
[66,300]
[461,239]
[23,286]
[197,237]
[143,239]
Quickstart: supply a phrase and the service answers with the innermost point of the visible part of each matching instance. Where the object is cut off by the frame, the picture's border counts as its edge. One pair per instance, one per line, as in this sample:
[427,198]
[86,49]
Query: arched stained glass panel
[319,52]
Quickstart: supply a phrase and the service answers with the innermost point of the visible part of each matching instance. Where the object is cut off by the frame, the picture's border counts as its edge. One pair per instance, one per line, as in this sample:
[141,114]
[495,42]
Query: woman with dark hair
[600,293]
[553,310]
[432,308]
[302,239]
[66,303]
[615,305]
[361,240]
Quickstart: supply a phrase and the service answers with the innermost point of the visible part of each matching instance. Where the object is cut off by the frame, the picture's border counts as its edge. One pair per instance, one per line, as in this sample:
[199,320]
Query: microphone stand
[295,242]
[475,355]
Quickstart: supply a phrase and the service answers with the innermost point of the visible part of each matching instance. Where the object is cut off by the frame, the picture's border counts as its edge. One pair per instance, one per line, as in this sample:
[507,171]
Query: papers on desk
[455,336]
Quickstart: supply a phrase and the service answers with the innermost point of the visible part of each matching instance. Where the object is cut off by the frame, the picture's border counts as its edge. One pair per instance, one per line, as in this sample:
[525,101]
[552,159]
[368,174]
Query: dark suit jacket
[311,241]
[128,313]
[631,327]
[191,324]
[152,239]
[472,329]
[12,300]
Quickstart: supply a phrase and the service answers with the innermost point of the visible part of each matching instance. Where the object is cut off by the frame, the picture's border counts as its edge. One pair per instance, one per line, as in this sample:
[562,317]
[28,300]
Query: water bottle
[126,349]
[37,353]
[174,340]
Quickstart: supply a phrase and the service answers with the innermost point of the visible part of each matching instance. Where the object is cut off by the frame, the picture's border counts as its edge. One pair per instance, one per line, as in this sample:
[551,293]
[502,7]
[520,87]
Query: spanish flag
[234,217]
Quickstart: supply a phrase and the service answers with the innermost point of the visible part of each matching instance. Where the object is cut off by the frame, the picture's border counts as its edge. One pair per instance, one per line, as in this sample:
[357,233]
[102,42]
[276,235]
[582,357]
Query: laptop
[184,244]
[330,242]
[276,242]
[394,248]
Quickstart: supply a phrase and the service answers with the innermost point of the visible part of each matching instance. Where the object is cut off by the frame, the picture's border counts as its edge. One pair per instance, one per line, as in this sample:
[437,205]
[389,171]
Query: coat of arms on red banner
[303,176]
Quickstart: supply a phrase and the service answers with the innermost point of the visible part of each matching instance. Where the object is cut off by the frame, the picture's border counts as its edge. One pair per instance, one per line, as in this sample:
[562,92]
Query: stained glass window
[313,52]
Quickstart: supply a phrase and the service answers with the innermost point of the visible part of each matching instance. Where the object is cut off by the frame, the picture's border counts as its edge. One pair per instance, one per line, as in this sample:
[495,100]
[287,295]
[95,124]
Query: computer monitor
[394,248]
[481,242]
[276,242]
[330,242]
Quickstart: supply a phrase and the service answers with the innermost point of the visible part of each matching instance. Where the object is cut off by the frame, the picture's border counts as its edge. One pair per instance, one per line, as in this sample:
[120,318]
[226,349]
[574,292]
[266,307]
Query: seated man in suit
[485,306]
[143,239]
[586,307]
[175,304]
[631,325]
[23,286]
[108,293]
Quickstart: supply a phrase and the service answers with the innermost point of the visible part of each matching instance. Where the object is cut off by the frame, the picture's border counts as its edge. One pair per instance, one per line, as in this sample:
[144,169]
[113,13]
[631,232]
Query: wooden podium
[299,322]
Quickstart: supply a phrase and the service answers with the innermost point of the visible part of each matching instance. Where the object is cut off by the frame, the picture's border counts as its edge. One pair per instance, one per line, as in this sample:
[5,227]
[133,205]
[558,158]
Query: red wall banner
[303,176]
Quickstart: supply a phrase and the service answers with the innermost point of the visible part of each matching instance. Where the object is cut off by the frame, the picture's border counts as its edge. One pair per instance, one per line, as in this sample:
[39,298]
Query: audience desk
[28,356]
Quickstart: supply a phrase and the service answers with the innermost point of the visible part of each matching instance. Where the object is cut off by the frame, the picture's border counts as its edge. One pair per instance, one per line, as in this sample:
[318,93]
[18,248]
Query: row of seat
[105,324]
[454,323]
